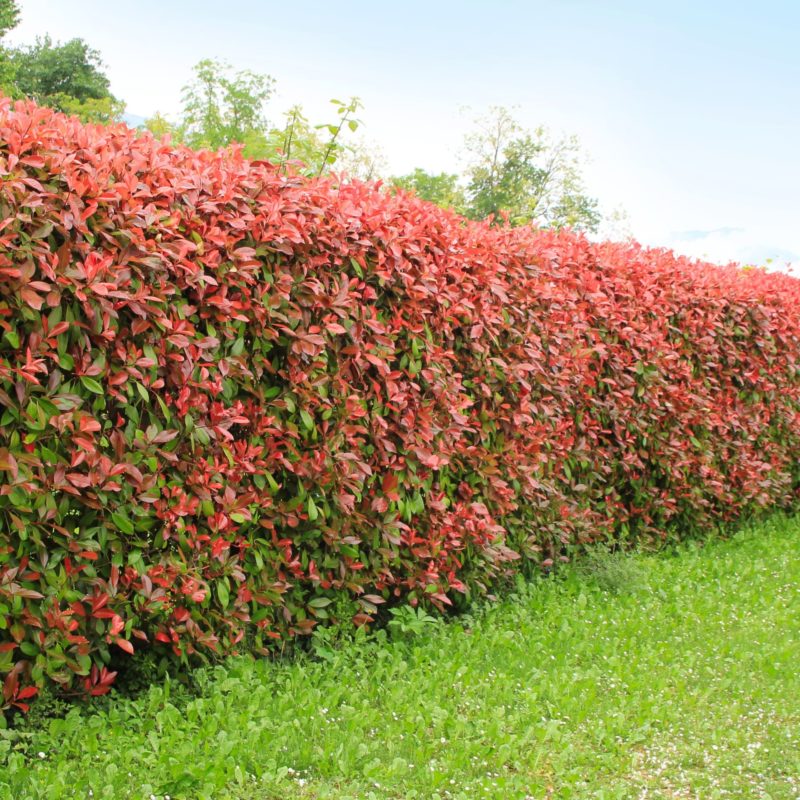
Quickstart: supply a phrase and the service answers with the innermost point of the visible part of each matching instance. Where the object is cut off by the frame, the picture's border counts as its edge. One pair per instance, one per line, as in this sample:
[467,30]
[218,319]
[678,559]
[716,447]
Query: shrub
[235,401]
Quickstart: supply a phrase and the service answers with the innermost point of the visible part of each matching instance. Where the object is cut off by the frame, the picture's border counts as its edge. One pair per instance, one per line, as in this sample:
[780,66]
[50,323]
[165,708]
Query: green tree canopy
[530,176]
[221,106]
[526,176]
[9,16]
[66,76]
[442,188]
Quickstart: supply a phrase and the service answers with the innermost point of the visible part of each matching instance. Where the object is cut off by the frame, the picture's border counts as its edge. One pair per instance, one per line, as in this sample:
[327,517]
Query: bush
[236,401]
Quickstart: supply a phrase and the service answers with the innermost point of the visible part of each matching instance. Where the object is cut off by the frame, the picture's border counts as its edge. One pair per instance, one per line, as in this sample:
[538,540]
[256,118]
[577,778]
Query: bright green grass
[683,685]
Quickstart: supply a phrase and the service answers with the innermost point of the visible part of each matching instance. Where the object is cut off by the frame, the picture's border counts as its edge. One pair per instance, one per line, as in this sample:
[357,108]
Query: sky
[689,112]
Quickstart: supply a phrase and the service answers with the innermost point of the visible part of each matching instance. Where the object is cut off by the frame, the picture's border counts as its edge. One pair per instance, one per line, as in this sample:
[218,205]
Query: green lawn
[683,683]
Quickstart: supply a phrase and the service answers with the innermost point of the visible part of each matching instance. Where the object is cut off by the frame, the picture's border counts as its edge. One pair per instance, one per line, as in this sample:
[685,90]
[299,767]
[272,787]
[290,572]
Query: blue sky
[689,111]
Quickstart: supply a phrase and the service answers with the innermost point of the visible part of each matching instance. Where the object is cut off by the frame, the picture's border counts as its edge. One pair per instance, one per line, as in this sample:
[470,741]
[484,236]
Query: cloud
[693,236]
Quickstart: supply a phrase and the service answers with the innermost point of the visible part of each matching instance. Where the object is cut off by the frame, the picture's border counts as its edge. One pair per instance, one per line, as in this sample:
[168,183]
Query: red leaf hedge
[236,403]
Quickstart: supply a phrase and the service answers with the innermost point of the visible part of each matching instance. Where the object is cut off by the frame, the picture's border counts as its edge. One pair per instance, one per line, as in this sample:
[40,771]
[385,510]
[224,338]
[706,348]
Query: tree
[524,176]
[221,106]
[361,159]
[9,16]
[527,175]
[442,188]
[68,77]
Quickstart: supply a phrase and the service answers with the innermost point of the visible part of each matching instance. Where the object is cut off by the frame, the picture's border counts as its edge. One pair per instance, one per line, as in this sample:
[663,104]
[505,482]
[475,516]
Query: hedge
[237,403]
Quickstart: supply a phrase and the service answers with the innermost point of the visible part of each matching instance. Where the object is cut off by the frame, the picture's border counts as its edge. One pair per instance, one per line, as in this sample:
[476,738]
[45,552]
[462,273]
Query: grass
[675,677]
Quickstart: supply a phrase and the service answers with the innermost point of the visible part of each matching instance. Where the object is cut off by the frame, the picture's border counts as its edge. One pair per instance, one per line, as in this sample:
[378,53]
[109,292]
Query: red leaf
[125,645]
[32,299]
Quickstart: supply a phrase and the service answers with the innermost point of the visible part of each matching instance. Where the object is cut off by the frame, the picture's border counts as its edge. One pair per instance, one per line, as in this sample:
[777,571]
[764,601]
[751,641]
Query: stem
[332,142]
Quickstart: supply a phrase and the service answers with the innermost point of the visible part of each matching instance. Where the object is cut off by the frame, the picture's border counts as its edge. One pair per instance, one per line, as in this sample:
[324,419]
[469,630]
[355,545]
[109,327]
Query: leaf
[222,593]
[31,298]
[8,463]
[308,421]
[122,522]
[43,231]
[92,385]
[125,645]
[376,599]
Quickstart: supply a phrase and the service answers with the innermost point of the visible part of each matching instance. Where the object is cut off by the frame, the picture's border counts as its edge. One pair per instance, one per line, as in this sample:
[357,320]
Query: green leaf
[122,522]
[92,385]
[222,594]
[356,267]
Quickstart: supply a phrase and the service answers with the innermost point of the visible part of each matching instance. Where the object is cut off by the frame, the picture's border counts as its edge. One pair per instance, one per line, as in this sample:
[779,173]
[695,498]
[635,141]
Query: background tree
[68,77]
[9,16]
[442,188]
[361,159]
[528,176]
[221,106]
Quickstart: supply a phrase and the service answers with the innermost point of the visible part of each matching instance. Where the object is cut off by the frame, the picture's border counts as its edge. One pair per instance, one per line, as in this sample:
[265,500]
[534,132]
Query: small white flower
[41,754]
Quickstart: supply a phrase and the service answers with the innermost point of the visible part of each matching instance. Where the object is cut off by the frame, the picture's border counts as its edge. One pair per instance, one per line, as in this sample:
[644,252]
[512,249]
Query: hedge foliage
[237,403]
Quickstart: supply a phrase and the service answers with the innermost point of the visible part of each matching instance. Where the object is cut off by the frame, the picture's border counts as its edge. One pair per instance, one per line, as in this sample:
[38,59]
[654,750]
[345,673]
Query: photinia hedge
[237,404]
